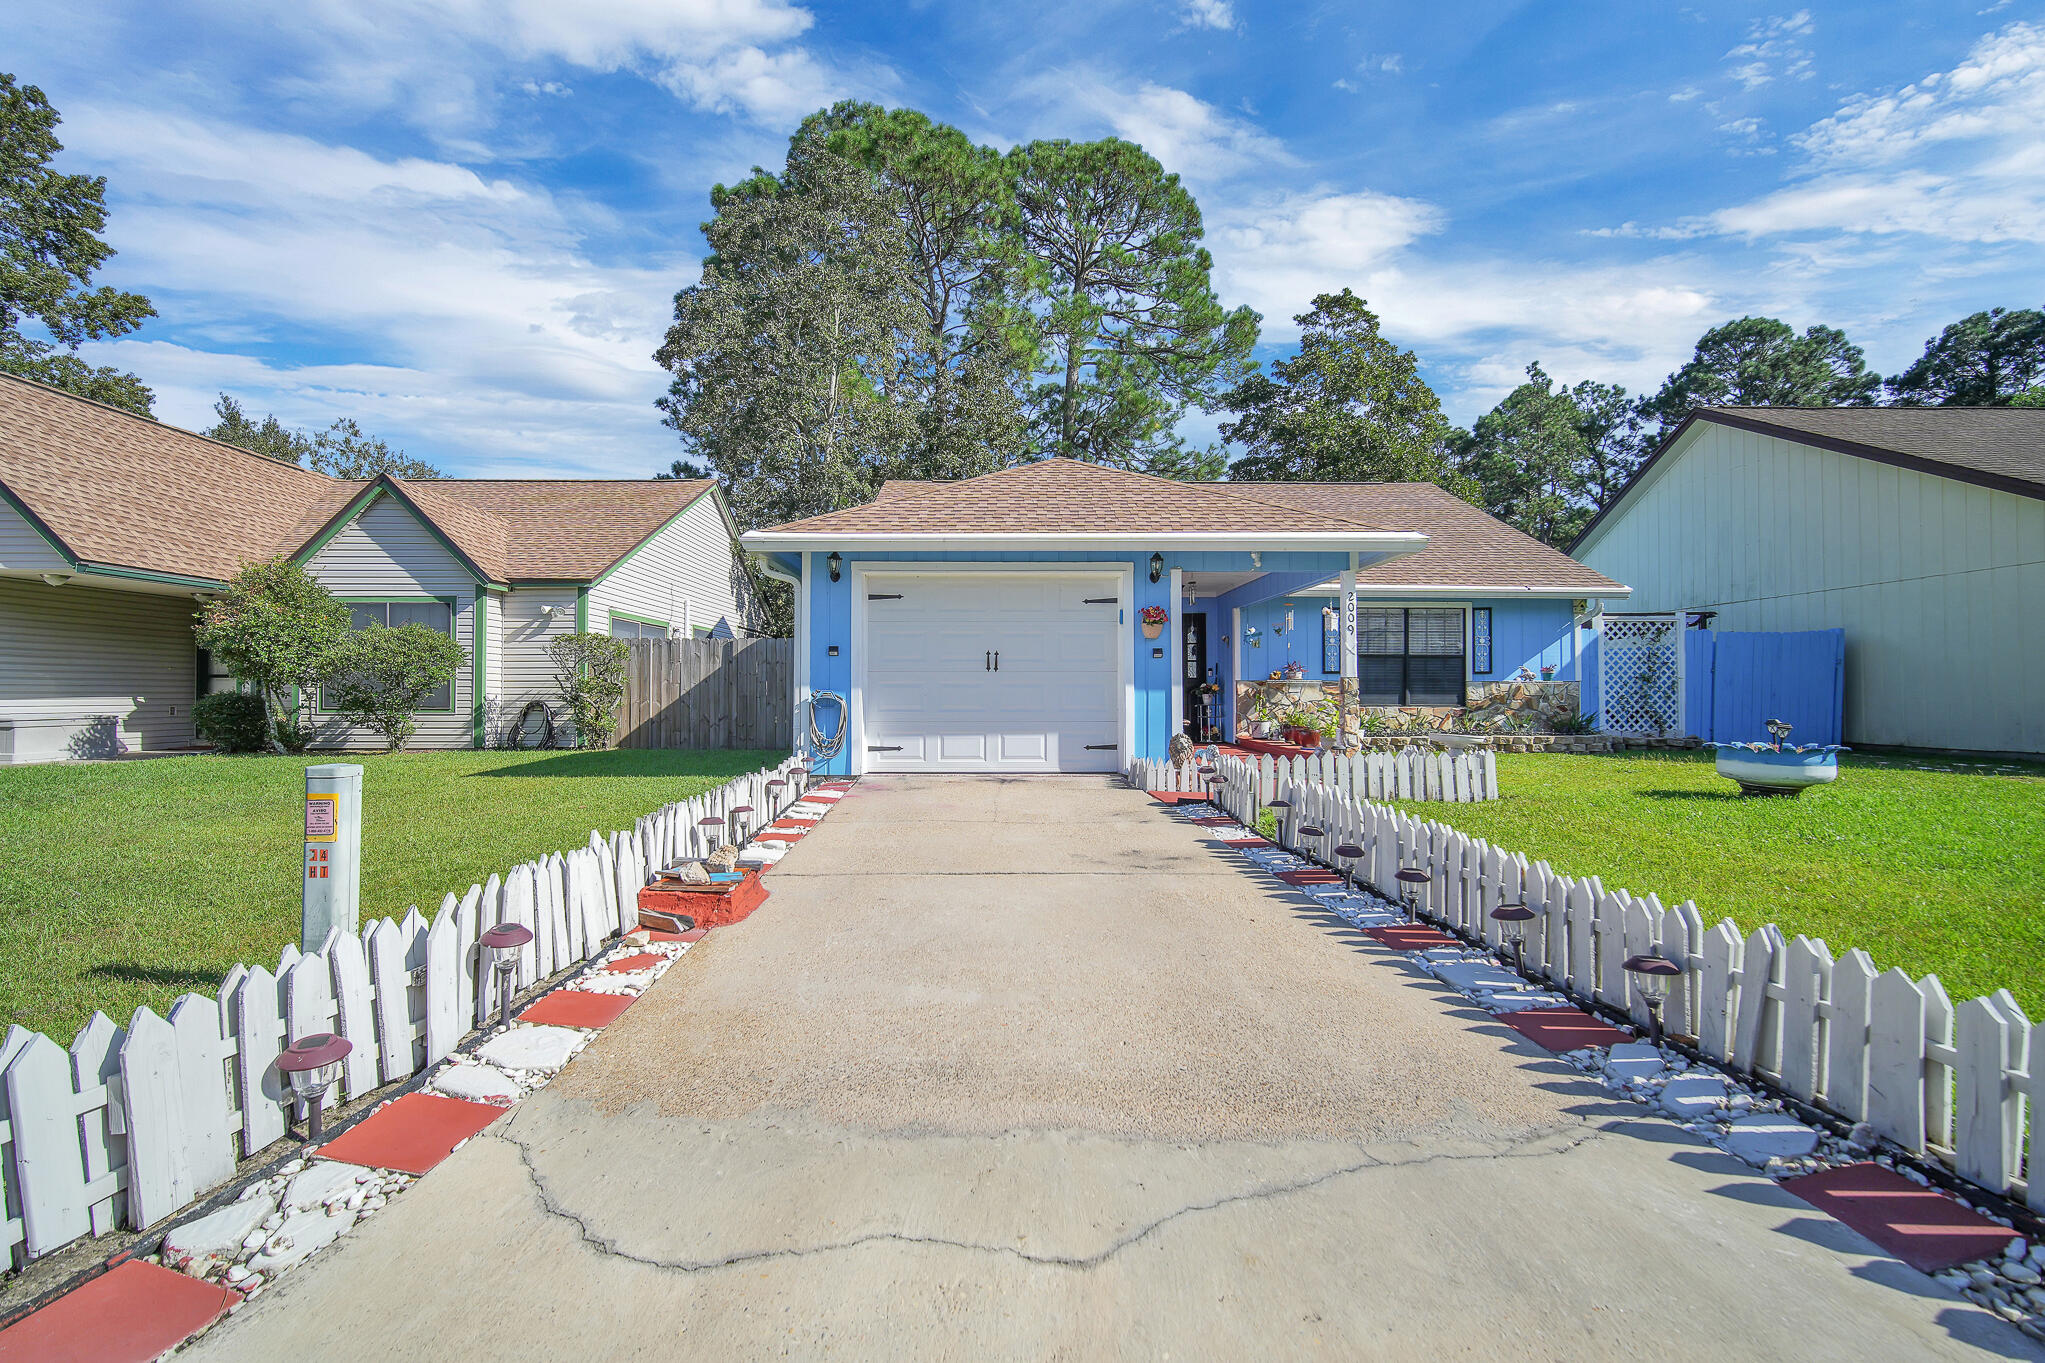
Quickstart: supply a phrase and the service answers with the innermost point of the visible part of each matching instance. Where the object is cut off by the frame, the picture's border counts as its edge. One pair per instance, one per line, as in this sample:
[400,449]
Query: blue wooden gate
[1734,682]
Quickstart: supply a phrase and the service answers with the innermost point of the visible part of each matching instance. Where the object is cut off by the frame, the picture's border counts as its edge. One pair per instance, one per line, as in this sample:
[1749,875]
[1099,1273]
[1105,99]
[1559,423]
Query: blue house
[1062,616]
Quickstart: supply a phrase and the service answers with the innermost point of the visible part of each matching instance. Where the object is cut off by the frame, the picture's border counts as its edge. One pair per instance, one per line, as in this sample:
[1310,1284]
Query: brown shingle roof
[1054,496]
[1465,547]
[127,491]
[123,490]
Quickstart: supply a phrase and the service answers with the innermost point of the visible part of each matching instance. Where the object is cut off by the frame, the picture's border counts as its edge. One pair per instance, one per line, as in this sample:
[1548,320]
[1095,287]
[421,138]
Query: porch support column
[1175,635]
[1235,670]
[1349,692]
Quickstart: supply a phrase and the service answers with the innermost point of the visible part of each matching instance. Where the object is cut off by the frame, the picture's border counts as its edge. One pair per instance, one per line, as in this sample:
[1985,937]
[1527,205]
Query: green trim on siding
[354,510]
[653,534]
[582,610]
[144,575]
[35,523]
[341,522]
[479,664]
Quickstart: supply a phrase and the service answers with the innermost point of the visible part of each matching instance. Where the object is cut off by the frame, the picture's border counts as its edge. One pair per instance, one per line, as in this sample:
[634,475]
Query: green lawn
[127,883]
[1932,866]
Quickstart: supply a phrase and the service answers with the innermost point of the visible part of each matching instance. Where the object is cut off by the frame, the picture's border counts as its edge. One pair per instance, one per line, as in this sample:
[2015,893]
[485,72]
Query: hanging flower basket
[1153,619]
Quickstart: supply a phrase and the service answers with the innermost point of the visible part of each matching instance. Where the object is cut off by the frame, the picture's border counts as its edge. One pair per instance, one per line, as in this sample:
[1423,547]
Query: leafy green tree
[380,676]
[1349,407]
[275,627]
[1984,360]
[1132,333]
[590,670]
[964,365]
[1760,362]
[340,451]
[1614,439]
[786,354]
[2030,397]
[50,246]
[1527,457]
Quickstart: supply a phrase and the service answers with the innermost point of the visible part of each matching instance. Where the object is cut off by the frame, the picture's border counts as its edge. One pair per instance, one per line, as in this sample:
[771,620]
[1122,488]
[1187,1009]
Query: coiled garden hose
[823,749]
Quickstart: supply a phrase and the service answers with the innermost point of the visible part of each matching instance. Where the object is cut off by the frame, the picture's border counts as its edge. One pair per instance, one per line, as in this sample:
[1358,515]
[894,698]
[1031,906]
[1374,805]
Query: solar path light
[1347,854]
[738,824]
[706,823]
[1411,878]
[1312,831]
[774,801]
[312,1066]
[800,775]
[1284,808]
[1653,976]
[503,942]
[1514,917]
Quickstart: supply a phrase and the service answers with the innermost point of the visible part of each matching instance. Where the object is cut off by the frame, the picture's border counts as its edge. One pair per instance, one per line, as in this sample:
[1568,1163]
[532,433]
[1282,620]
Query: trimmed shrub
[233,721]
[381,675]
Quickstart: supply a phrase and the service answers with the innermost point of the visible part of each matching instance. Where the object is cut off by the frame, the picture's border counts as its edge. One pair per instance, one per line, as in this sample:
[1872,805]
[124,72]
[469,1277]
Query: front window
[623,627]
[435,615]
[1410,655]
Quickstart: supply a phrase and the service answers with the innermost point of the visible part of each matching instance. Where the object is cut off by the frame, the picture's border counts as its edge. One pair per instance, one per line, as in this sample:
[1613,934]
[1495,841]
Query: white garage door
[992,672]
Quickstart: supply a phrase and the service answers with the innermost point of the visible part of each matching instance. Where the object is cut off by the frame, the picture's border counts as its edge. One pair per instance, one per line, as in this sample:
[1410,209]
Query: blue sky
[464,222]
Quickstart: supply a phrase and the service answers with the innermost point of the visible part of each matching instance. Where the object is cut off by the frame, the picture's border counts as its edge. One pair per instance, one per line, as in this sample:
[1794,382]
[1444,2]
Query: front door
[1193,663]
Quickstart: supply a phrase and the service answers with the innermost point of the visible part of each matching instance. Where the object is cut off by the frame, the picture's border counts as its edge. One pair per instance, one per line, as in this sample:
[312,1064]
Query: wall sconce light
[836,563]
[312,1065]
[1157,566]
[1256,559]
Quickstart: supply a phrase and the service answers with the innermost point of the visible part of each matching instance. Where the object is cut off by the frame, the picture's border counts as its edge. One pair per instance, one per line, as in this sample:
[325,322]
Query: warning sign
[320,817]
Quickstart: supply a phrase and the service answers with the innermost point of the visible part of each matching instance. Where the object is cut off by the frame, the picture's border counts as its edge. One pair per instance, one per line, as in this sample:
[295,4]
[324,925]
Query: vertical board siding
[90,672]
[132,1126]
[388,552]
[709,693]
[1929,578]
[1945,1084]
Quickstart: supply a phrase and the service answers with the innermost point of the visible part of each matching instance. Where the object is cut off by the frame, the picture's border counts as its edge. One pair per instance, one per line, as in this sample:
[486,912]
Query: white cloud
[1277,254]
[1773,51]
[772,88]
[1187,135]
[484,322]
[1209,14]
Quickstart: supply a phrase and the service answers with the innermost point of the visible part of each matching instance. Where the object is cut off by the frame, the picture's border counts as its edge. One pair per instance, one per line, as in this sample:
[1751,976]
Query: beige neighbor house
[1919,531]
[114,527]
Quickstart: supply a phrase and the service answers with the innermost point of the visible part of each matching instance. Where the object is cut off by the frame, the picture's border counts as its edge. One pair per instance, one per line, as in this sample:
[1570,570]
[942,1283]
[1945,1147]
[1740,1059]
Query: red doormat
[640,960]
[411,1134]
[1313,875]
[1563,1029]
[1410,937]
[1925,1229]
[129,1314]
[578,1008]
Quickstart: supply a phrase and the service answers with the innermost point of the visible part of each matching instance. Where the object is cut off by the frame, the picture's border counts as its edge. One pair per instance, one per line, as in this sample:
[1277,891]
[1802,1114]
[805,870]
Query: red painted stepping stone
[692,935]
[1177,797]
[1565,1029]
[578,1008]
[1410,937]
[411,1134]
[1312,875]
[1924,1228]
[785,835]
[641,960]
[129,1314]
[1213,821]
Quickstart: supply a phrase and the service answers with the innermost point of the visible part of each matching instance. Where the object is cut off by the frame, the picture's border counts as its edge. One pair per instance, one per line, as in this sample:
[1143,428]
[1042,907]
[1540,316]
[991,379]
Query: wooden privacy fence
[1942,1083]
[709,693]
[1410,774]
[127,1127]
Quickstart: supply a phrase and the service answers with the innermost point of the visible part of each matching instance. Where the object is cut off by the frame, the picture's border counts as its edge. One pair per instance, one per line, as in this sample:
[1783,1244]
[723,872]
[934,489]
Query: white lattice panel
[1640,675]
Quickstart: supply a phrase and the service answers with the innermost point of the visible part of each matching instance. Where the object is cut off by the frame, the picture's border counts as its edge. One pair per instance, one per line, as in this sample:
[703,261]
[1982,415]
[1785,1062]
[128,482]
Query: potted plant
[1547,672]
[1153,619]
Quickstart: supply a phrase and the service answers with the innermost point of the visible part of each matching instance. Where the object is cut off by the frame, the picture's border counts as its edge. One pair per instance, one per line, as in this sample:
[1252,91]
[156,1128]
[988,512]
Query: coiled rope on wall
[823,749]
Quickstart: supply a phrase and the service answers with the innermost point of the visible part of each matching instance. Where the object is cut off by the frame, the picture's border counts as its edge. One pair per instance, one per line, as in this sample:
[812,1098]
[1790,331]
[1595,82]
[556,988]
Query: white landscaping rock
[532,1048]
[1474,977]
[301,1234]
[198,1246]
[1632,1060]
[321,1182]
[476,1084]
[1694,1095]
[1762,1138]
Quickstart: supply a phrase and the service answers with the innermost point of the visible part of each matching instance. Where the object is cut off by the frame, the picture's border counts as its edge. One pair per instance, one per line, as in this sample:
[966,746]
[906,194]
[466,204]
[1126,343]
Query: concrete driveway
[1024,1069]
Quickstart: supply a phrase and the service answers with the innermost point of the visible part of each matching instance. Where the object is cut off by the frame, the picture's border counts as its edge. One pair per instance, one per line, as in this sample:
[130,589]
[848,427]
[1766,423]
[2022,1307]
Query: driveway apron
[1025,1068]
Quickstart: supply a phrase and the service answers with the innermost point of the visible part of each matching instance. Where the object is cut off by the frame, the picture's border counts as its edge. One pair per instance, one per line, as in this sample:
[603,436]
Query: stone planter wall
[1542,706]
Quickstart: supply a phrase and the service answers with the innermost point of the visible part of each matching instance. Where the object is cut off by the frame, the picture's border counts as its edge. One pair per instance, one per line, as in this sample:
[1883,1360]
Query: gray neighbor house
[114,527]
[1918,531]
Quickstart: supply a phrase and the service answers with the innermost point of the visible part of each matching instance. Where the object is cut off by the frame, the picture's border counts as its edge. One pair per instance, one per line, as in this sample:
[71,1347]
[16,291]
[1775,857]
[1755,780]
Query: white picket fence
[1409,774]
[1945,1084]
[128,1127]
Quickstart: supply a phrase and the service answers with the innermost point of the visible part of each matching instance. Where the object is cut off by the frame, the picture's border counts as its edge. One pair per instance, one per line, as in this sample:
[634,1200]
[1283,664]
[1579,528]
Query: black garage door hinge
[878,747]
[884,596]
[1102,747]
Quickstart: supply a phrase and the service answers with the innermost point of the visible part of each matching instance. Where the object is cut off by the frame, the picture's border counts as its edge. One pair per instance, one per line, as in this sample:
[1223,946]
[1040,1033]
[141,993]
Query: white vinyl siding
[387,553]
[523,632]
[88,672]
[1936,582]
[23,548]
[686,571]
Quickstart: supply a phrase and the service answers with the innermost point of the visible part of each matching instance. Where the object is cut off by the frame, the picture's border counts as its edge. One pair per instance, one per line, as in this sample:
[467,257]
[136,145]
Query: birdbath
[1778,767]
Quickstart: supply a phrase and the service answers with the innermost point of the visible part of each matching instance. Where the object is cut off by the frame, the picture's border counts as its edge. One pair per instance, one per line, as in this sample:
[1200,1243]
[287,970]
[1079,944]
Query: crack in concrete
[553,1206]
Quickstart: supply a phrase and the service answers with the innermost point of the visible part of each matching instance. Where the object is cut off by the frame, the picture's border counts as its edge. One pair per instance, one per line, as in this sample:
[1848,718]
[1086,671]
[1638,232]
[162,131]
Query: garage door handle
[997,660]
[884,596]
[878,747]
[1100,601]
[987,661]
[1102,747]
